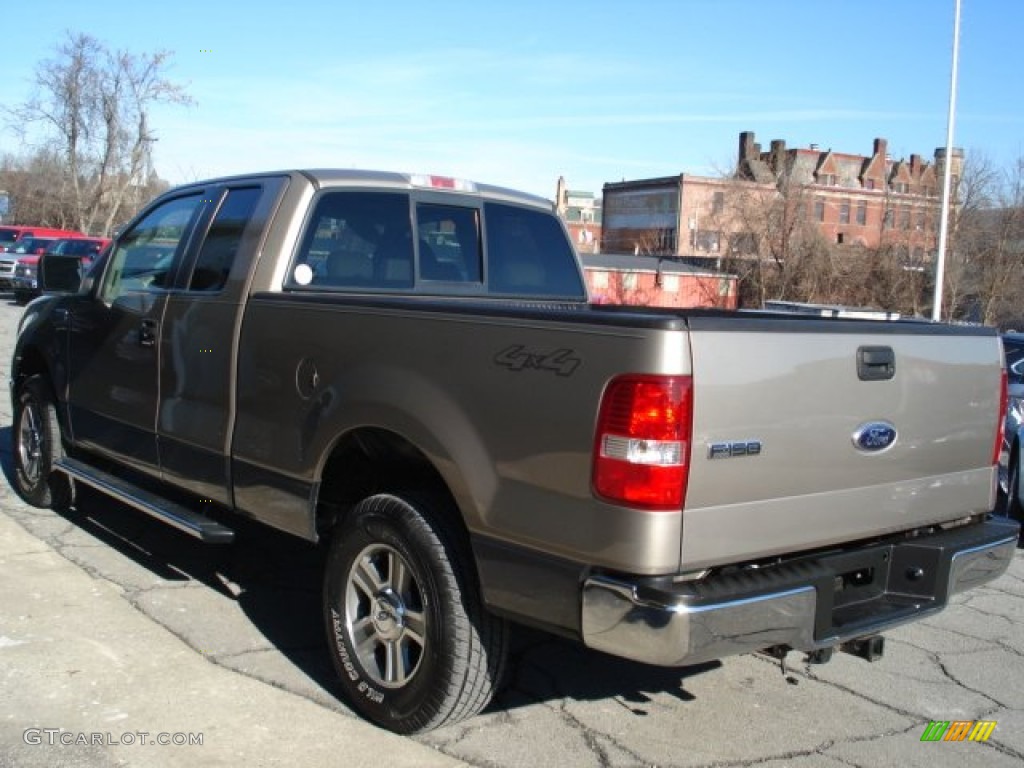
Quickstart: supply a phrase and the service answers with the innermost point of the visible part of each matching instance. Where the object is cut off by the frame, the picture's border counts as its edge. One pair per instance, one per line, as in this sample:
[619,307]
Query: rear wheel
[37,446]
[409,636]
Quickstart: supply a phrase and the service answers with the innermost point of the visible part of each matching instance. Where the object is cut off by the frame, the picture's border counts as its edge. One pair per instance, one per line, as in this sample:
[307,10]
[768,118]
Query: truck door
[198,343]
[114,344]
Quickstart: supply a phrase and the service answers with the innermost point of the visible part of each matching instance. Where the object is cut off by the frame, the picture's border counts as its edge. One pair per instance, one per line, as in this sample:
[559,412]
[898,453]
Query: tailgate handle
[876,363]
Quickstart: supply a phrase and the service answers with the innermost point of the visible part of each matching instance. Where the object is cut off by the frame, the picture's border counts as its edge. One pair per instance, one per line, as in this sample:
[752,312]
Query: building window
[904,218]
[600,279]
[922,221]
[862,213]
[819,209]
[718,202]
[828,179]
[670,283]
[667,240]
[629,281]
[887,219]
[707,240]
[844,212]
[869,183]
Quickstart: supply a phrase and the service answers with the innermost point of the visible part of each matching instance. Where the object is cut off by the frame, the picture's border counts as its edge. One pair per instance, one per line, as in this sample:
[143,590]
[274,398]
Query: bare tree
[775,249]
[988,245]
[975,194]
[30,182]
[94,105]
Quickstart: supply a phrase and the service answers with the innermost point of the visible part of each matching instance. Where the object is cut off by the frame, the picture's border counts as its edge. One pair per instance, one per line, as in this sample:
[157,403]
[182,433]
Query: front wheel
[37,446]
[409,636]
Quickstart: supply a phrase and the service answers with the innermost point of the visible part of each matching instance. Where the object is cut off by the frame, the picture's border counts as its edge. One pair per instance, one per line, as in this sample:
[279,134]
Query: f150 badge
[875,436]
[734,449]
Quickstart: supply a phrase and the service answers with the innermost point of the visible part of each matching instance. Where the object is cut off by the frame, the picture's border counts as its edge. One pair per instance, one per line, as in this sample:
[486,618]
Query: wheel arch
[367,460]
[29,361]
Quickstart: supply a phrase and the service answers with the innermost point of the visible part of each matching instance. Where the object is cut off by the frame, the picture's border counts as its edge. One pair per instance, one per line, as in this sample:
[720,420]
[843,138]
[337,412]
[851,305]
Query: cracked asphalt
[250,613]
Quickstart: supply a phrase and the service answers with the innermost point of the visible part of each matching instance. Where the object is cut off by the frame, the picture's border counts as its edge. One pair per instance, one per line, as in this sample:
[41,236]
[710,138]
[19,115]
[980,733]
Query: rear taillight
[1001,425]
[642,443]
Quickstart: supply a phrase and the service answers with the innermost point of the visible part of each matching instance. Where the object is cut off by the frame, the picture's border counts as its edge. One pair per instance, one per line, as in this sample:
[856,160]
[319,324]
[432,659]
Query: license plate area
[885,583]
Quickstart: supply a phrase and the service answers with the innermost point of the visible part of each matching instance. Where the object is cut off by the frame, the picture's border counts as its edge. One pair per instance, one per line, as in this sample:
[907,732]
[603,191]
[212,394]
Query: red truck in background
[11,237]
[24,280]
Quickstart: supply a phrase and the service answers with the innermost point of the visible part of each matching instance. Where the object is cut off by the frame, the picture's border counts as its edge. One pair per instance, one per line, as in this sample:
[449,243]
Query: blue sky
[520,93]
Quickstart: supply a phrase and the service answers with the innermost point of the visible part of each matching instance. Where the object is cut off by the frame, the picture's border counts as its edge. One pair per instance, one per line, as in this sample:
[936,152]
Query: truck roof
[339,177]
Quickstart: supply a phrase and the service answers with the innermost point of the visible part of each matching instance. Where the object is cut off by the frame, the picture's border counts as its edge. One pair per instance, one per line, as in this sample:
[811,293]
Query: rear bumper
[809,604]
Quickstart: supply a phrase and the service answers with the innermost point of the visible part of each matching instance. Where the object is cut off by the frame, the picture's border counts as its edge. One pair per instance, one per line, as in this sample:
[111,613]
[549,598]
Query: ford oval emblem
[875,436]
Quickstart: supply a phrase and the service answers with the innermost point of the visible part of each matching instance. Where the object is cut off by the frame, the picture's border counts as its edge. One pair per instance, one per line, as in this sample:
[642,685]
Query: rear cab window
[364,241]
[357,241]
[528,254]
[448,237]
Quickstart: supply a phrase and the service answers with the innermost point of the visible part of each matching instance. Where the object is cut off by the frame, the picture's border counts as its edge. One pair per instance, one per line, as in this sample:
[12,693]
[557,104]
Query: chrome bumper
[815,603]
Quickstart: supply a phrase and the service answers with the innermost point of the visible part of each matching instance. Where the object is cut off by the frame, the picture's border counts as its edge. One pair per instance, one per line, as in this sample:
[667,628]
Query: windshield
[31,244]
[76,247]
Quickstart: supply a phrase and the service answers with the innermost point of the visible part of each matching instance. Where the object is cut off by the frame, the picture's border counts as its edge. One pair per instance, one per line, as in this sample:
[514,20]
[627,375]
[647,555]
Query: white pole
[940,265]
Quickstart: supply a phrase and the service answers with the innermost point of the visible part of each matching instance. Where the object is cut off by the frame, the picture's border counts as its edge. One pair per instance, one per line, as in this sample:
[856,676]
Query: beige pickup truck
[407,369]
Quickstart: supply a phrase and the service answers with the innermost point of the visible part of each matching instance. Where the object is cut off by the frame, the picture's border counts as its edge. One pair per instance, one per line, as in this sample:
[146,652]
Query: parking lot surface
[113,624]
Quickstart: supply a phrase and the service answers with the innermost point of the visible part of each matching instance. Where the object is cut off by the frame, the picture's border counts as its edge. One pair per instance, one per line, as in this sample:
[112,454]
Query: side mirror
[59,274]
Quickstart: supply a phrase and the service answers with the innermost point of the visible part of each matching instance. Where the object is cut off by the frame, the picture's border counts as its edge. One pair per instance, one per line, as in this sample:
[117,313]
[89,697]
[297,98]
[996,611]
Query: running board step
[164,510]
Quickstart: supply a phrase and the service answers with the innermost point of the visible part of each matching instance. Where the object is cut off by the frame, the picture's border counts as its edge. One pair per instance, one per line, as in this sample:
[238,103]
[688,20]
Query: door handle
[147,333]
[876,363]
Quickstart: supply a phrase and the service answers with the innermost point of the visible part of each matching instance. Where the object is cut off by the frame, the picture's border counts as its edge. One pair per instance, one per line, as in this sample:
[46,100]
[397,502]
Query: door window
[222,241]
[144,257]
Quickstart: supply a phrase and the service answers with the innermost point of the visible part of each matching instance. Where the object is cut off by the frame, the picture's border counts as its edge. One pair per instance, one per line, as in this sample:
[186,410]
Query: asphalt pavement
[124,642]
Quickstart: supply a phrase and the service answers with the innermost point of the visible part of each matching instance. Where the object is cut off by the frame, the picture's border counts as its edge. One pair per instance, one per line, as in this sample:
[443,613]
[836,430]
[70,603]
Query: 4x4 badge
[517,358]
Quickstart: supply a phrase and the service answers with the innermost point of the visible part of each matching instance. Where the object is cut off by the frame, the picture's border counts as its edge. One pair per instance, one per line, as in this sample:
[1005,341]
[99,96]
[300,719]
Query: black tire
[37,446]
[411,641]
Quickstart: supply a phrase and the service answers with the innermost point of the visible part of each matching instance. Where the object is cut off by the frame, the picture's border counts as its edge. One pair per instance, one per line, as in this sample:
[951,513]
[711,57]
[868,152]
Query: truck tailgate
[779,405]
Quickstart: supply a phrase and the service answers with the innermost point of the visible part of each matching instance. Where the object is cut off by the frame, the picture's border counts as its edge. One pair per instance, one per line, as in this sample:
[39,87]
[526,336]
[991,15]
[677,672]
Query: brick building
[581,212]
[864,201]
[656,282]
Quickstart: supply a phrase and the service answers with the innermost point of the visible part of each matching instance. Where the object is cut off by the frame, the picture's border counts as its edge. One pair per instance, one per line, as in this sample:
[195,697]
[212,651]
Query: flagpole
[940,265]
